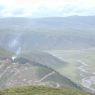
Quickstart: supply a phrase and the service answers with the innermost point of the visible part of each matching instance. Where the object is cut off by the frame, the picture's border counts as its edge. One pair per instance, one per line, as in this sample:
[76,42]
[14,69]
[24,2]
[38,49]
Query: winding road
[46,76]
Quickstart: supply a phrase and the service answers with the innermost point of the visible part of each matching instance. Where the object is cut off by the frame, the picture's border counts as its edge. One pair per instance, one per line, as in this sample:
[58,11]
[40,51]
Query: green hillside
[80,67]
[4,53]
[41,90]
[23,71]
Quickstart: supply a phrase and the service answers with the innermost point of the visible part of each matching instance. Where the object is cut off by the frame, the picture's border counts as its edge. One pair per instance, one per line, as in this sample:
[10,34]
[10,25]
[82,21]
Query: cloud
[46,8]
[70,10]
[1,9]
[46,12]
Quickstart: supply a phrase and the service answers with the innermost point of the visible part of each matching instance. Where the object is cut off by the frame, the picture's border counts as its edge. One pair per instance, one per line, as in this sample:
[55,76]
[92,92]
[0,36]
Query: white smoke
[18,51]
[15,41]
[16,54]
[13,58]
[15,45]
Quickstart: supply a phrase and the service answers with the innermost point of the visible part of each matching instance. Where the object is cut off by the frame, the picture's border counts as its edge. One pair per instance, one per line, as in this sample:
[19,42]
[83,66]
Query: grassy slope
[35,71]
[72,57]
[45,59]
[4,53]
[41,90]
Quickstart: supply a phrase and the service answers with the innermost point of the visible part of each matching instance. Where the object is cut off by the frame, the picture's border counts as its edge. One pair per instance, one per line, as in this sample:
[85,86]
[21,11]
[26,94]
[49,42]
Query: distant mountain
[50,22]
[73,32]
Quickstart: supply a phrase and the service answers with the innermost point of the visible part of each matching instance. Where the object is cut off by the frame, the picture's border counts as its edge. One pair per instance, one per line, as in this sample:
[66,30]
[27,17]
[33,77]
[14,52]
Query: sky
[46,8]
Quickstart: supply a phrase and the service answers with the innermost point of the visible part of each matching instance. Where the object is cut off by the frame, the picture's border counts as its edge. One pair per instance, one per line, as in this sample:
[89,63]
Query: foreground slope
[41,90]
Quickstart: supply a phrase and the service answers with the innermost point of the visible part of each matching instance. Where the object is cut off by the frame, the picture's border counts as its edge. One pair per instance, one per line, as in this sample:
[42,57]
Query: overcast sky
[46,8]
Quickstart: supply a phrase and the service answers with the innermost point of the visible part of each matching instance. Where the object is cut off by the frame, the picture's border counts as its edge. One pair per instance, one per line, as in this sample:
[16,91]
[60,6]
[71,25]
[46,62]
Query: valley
[55,52]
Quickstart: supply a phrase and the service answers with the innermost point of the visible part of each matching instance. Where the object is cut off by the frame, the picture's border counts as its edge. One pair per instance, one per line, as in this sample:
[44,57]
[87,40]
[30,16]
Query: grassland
[81,65]
[5,53]
[40,90]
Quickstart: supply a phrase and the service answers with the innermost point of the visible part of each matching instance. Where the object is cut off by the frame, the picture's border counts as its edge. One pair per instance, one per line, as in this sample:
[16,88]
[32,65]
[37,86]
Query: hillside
[23,71]
[44,58]
[48,33]
[80,67]
[5,53]
[41,90]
